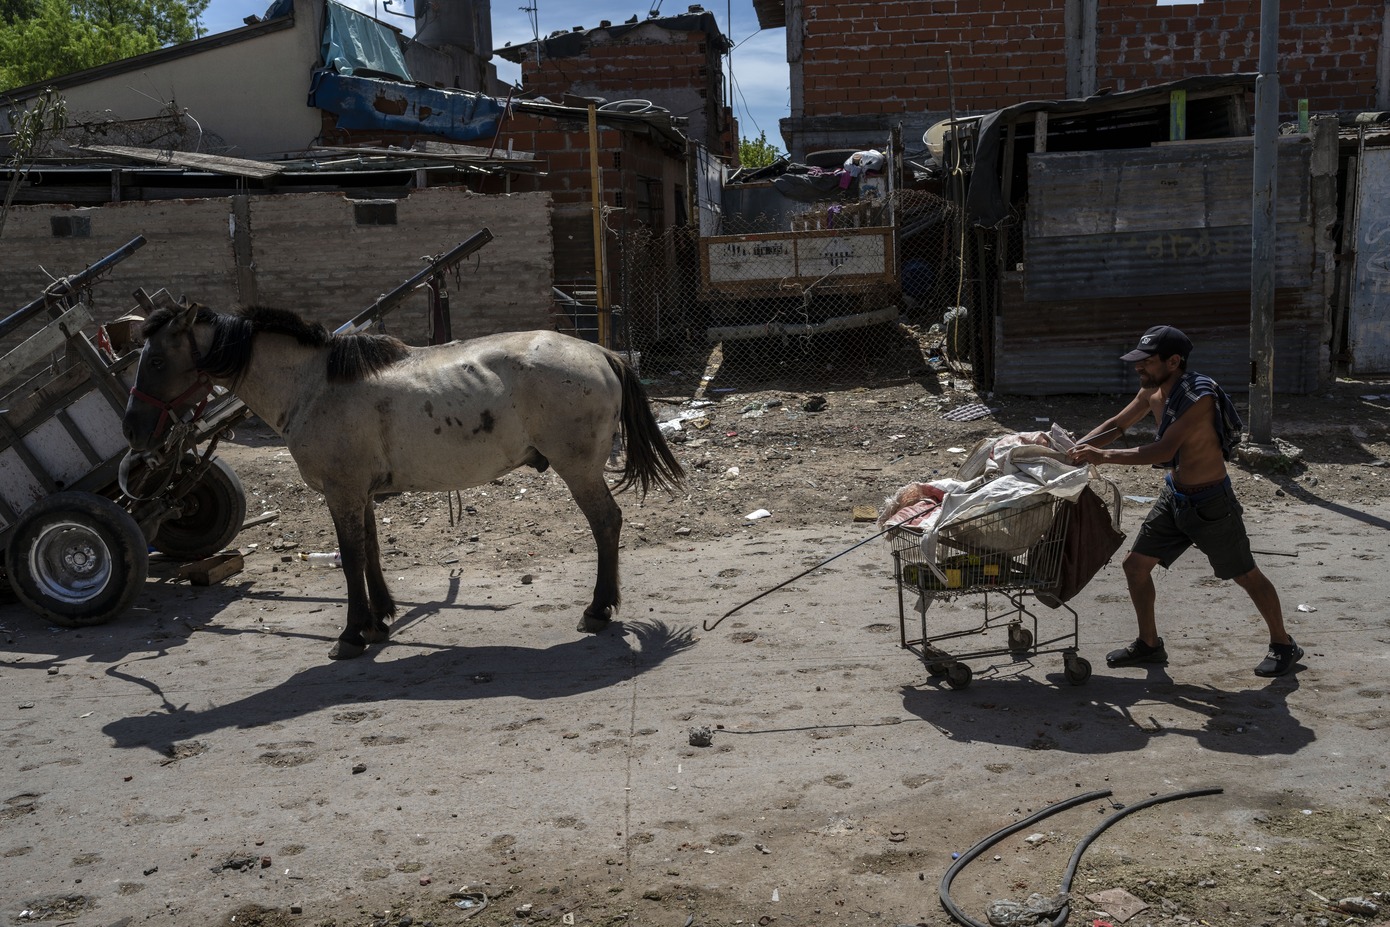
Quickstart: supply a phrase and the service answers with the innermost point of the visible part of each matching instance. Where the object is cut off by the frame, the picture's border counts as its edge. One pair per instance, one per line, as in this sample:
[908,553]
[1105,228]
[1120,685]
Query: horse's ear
[190,315]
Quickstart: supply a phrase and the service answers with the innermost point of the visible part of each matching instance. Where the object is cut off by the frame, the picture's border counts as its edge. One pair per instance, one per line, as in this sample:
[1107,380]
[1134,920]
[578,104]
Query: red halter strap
[167,410]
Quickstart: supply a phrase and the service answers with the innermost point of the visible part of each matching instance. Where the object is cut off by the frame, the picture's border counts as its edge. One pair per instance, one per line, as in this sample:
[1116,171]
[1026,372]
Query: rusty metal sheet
[1048,349]
[1368,321]
[1187,186]
[1119,240]
[1156,262]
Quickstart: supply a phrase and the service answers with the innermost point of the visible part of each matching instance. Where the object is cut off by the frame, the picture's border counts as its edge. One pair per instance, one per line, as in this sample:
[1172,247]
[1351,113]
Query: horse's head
[169,380]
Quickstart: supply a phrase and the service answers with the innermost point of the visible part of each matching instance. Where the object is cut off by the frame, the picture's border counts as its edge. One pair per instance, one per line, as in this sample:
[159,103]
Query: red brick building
[857,68]
[671,62]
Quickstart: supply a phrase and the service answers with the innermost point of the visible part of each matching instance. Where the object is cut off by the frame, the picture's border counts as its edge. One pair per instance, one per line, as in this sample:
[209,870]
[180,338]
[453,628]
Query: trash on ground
[1118,903]
[1027,913]
[970,412]
[1307,608]
[323,559]
[760,513]
[701,736]
[1358,905]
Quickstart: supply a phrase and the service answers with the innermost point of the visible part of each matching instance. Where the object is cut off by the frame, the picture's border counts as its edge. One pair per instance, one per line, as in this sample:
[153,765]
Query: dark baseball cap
[1163,340]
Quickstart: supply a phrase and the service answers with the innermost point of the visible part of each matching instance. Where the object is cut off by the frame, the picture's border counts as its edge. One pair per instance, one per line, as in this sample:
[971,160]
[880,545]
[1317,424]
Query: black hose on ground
[1089,838]
[991,840]
[1070,873]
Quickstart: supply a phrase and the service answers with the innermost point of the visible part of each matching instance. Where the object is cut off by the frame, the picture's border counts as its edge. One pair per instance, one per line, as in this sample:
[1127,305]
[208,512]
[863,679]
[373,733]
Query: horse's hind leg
[379,601]
[606,523]
[348,521]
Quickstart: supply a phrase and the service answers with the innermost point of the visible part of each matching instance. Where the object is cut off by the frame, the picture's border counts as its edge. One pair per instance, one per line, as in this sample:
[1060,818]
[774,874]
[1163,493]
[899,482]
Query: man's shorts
[1211,520]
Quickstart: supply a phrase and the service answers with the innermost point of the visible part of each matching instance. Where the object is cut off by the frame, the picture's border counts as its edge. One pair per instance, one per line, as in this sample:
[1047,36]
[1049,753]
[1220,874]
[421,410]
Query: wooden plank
[213,569]
[43,342]
[218,164]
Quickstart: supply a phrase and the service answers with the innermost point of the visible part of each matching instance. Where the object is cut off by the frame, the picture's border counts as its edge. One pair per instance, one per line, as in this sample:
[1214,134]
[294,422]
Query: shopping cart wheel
[1077,669]
[1020,638]
[958,675]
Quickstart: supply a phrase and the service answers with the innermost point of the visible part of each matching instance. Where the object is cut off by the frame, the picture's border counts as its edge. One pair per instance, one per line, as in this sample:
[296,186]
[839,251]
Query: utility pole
[1262,228]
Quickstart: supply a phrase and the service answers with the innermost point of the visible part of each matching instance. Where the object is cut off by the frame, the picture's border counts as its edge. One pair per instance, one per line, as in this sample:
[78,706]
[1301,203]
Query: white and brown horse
[365,415]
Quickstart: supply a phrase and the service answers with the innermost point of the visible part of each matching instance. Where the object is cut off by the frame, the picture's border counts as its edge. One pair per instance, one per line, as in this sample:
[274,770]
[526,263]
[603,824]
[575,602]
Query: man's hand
[1086,454]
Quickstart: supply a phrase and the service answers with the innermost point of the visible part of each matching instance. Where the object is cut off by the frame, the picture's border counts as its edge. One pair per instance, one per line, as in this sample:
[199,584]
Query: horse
[365,415]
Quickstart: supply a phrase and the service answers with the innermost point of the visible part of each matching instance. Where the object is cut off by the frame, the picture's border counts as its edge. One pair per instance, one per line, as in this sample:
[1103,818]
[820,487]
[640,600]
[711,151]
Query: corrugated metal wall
[1116,241]
[1368,338]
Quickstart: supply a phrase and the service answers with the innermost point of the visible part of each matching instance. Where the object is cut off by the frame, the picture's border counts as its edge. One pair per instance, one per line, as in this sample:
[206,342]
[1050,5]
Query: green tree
[757,152]
[14,10]
[49,38]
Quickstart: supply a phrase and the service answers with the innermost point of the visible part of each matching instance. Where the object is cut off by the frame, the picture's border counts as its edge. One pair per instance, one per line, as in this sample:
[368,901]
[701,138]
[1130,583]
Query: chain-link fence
[827,296]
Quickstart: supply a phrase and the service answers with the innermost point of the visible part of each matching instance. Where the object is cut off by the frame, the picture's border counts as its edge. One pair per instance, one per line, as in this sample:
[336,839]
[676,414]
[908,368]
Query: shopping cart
[1006,553]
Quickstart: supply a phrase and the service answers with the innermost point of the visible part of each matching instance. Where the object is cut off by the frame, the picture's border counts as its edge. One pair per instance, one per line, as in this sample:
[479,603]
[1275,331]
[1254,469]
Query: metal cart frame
[1010,552]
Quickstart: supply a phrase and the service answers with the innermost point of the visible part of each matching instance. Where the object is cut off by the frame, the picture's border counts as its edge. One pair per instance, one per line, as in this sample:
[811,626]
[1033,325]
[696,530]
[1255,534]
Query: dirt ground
[201,760]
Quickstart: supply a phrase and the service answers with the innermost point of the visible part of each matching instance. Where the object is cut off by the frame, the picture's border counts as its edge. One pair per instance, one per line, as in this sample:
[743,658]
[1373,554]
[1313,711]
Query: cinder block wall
[308,255]
[891,57]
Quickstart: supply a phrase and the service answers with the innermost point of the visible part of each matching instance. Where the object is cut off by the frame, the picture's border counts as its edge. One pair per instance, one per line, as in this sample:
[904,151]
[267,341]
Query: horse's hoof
[342,650]
[377,634]
[593,624]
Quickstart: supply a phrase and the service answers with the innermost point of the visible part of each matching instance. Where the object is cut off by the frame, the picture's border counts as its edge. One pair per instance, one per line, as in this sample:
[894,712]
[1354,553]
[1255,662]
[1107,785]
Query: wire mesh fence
[824,296]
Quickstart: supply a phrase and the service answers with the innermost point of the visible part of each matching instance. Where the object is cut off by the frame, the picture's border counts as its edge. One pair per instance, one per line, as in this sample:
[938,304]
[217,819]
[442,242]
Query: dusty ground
[201,761]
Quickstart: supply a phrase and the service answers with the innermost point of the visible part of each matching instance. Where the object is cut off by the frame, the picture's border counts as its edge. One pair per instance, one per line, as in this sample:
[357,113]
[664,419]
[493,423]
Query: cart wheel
[937,669]
[1020,638]
[213,511]
[1077,669]
[77,559]
[958,675]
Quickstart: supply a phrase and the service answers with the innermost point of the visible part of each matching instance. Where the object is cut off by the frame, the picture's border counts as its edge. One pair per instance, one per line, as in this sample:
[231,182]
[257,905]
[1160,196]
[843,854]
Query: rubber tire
[214,510]
[1077,670]
[958,675]
[102,528]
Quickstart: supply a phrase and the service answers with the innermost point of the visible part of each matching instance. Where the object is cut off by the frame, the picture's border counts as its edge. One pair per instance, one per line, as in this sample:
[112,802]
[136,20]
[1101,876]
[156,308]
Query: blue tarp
[357,44]
[377,105]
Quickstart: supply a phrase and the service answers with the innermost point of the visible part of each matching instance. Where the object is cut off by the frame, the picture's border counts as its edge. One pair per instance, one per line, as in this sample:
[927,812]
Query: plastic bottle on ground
[333,559]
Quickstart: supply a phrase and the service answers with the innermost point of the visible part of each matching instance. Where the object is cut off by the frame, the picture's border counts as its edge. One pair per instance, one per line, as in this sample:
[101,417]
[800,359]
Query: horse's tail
[649,459]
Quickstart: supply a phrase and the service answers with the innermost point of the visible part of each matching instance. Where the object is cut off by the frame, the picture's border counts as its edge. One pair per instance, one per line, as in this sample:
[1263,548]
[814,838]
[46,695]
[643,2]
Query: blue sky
[761,94]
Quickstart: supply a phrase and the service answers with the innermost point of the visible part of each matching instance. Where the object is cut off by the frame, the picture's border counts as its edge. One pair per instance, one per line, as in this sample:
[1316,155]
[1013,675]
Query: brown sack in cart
[1091,540]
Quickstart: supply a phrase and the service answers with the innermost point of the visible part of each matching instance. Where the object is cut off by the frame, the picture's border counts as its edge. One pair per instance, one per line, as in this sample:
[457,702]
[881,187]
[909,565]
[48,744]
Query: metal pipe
[386,303]
[68,285]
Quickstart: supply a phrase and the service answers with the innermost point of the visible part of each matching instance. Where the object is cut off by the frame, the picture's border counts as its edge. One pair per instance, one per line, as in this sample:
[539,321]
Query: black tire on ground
[77,559]
[213,512]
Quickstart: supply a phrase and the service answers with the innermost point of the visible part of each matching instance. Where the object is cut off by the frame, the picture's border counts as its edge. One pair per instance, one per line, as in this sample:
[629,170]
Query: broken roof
[576,41]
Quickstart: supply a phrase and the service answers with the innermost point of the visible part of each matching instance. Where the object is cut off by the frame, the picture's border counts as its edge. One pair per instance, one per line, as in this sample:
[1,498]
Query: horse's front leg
[348,522]
[379,601]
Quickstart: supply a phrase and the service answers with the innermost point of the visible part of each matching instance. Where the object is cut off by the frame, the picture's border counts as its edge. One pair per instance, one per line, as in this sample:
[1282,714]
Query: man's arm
[1162,450]
[1116,425]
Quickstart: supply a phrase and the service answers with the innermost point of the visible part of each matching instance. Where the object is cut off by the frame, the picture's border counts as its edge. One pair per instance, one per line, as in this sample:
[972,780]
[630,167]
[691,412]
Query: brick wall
[891,57]
[680,71]
[562,146]
[863,67]
[310,256]
[1328,51]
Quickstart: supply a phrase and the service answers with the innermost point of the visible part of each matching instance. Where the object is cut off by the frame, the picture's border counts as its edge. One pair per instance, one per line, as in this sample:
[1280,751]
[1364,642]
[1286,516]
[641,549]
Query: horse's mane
[351,357]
